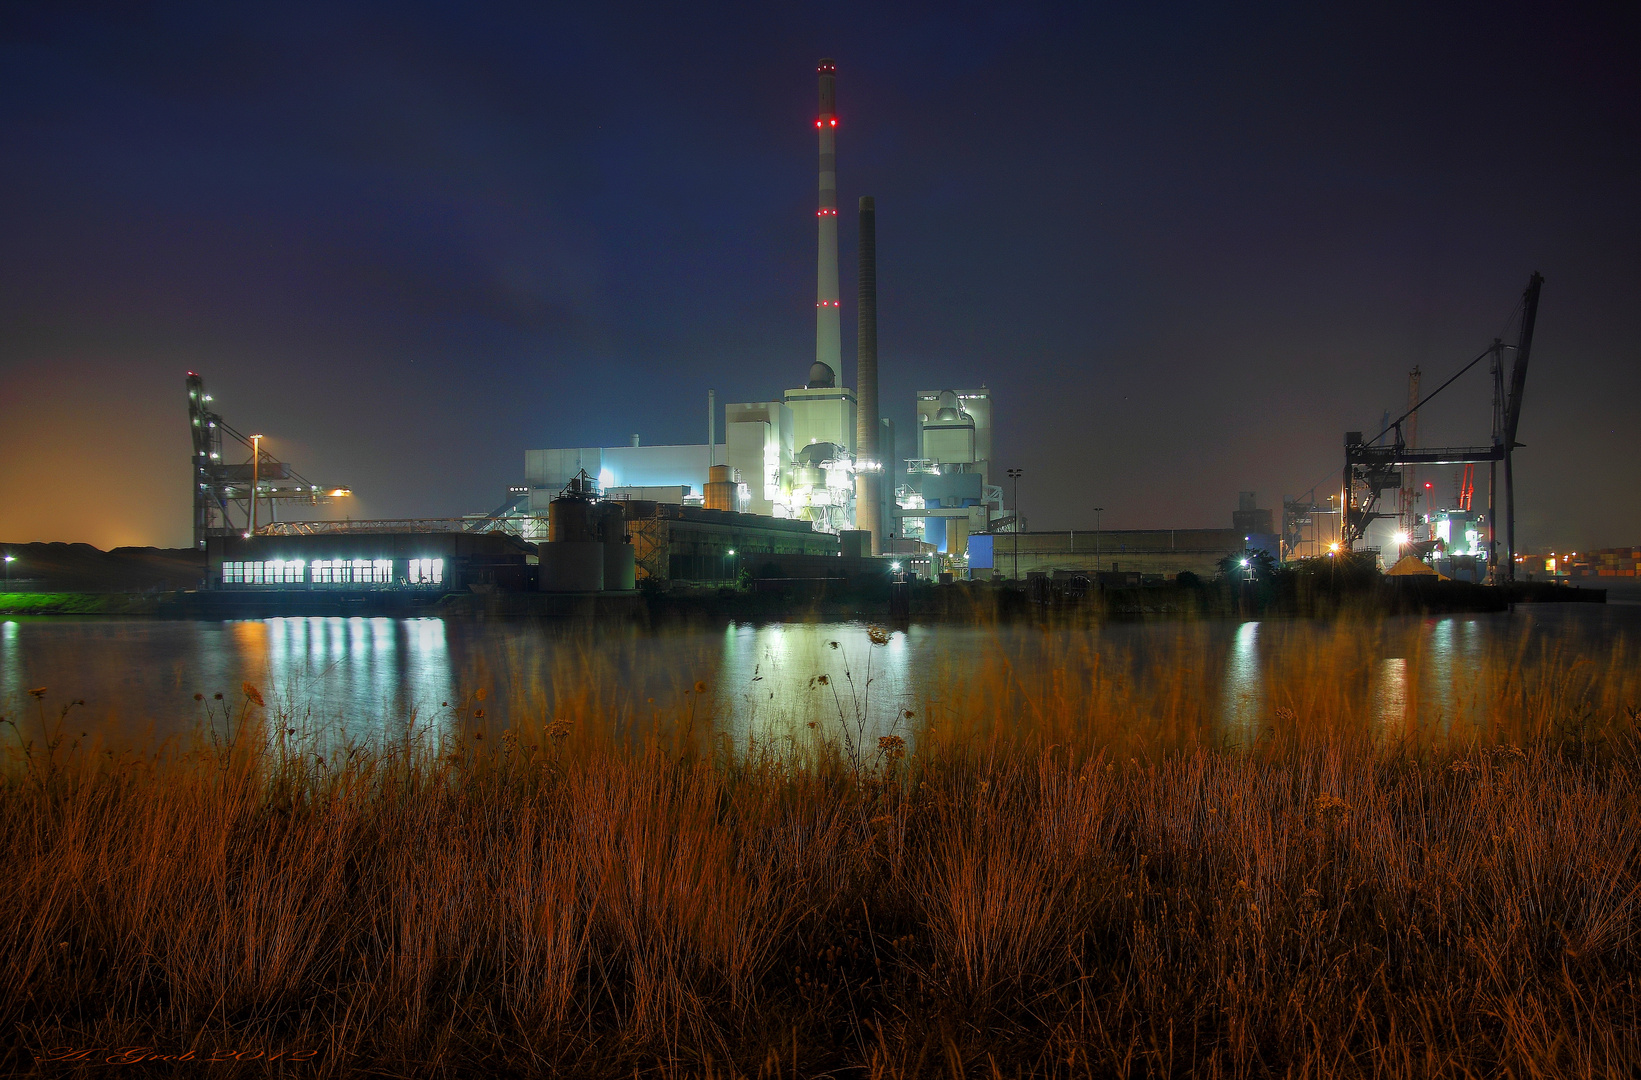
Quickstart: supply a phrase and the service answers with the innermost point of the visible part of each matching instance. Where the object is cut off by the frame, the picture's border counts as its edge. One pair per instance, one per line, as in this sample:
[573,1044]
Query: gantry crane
[220,487]
[1371,467]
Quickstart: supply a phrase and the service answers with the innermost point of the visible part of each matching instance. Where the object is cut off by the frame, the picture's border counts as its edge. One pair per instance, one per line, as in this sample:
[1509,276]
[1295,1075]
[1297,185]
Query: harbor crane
[1373,466]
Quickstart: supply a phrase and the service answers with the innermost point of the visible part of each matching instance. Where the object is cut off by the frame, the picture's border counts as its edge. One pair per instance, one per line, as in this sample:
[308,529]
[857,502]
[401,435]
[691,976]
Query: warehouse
[1148,553]
[355,558]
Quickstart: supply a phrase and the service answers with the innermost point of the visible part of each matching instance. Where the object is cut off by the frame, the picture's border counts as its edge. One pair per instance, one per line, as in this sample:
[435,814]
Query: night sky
[1186,248]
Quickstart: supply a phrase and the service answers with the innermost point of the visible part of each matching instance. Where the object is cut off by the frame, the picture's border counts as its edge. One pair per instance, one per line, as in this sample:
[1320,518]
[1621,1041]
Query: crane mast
[222,490]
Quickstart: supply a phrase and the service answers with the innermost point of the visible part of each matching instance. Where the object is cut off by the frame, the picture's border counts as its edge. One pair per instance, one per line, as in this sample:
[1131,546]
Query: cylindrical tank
[609,522]
[620,569]
[574,566]
[569,521]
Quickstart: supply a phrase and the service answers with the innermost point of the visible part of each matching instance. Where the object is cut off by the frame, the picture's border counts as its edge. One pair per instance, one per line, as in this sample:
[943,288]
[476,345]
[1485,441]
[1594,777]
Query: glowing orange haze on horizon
[93,453]
[99,454]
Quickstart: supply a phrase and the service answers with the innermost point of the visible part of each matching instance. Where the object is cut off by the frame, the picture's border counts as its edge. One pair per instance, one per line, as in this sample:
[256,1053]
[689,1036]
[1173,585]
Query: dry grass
[1065,877]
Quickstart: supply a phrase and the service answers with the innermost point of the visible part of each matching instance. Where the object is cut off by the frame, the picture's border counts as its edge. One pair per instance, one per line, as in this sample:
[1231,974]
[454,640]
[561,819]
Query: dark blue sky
[1186,248]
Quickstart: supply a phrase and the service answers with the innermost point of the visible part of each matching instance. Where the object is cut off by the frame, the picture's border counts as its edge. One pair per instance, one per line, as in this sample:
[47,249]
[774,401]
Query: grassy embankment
[1075,877]
[80,603]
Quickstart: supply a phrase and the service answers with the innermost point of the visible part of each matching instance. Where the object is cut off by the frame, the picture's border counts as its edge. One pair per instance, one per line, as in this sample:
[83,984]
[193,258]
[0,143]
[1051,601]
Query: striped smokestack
[828,337]
[868,484]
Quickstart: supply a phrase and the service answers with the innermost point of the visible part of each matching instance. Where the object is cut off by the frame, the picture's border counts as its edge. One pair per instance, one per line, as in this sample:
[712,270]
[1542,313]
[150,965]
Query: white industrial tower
[828,339]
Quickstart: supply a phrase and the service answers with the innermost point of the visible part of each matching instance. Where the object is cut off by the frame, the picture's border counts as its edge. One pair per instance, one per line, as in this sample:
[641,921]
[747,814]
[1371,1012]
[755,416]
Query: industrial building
[1248,517]
[954,427]
[663,473]
[805,484]
[808,482]
[598,544]
[782,494]
[821,453]
[684,543]
[946,494]
[369,557]
[1120,556]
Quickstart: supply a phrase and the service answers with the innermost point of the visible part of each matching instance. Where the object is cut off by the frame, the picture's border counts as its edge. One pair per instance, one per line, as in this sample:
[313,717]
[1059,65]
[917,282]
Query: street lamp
[1014,474]
[1097,510]
[256,463]
[10,558]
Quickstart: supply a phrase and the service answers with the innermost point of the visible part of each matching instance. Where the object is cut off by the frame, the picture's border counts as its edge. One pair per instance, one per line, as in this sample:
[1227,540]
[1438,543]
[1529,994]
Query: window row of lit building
[334,572]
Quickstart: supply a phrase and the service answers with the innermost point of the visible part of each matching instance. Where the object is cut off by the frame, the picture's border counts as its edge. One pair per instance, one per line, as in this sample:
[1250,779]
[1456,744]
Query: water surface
[372,679]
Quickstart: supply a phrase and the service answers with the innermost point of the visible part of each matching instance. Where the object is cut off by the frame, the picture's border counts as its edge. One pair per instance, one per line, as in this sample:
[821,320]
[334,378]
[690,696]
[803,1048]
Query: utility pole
[1014,474]
[1097,510]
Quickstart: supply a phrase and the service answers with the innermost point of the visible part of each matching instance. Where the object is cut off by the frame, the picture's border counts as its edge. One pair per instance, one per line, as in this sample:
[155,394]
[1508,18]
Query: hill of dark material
[83,568]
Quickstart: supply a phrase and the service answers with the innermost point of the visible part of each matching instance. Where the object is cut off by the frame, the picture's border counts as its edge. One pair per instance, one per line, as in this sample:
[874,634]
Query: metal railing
[389,525]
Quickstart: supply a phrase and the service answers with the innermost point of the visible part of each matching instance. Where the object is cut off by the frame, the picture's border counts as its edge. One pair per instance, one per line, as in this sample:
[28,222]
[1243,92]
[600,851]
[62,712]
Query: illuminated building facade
[356,557]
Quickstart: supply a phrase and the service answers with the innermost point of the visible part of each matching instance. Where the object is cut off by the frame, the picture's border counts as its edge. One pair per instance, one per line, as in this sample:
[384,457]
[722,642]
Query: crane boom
[1524,346]
[1512,410]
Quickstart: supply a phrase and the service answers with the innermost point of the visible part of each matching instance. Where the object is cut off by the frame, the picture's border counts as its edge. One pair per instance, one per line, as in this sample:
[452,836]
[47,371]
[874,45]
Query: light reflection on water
[393,672]
[1242,699]
[381,679]
[1390,696]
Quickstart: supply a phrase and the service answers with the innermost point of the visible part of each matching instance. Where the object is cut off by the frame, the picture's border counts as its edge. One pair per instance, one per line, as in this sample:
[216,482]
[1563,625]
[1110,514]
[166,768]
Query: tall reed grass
[1046,874]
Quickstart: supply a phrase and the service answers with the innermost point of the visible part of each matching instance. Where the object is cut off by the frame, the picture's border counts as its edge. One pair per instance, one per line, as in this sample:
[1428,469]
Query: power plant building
[946,494]
[822,453]
[954,427]
[661,473]
[759,440]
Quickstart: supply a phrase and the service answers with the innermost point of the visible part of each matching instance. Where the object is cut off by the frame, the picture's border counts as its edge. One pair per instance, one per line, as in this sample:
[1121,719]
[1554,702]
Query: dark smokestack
[866,341]
[868,484]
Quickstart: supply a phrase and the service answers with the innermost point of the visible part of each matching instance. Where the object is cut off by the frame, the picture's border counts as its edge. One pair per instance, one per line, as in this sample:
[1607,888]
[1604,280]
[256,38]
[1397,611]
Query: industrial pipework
[828,336]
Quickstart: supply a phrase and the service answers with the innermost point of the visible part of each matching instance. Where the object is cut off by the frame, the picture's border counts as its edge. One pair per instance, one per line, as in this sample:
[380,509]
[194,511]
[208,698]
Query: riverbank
[1037,880]
[980,601]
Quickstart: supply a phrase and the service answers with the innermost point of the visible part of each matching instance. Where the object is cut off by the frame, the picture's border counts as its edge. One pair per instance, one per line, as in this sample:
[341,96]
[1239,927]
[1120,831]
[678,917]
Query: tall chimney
[828,337]
[868,484]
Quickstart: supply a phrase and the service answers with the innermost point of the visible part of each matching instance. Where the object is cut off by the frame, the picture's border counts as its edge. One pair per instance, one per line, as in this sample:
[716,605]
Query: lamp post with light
[256,463]
[10,558]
